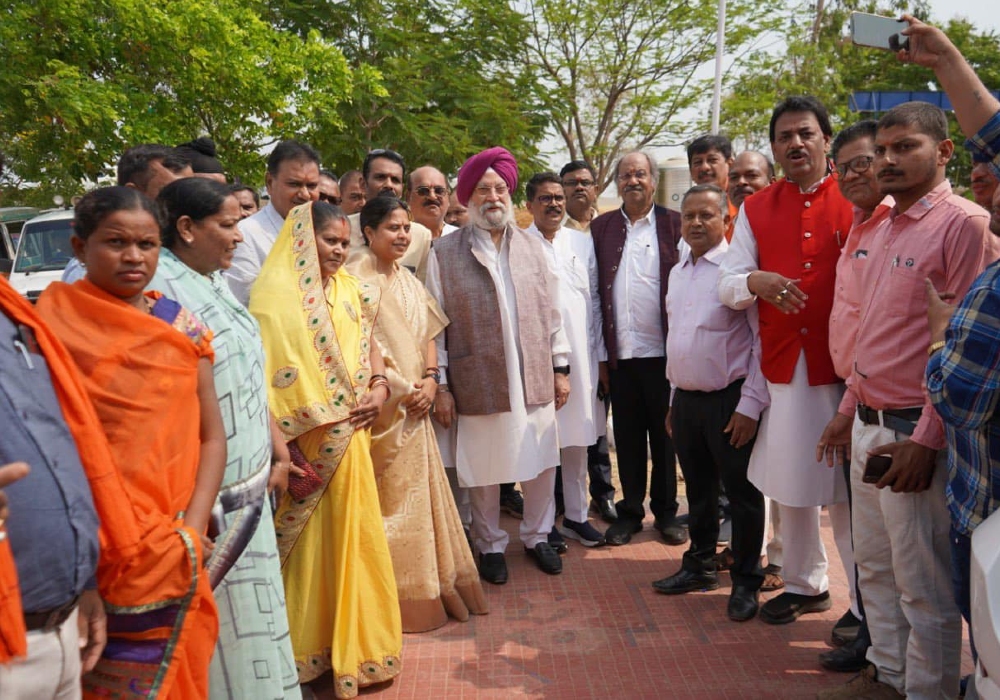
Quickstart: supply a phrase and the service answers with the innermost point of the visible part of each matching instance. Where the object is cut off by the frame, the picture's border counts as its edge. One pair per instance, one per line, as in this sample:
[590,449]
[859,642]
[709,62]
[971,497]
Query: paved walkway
[600,631]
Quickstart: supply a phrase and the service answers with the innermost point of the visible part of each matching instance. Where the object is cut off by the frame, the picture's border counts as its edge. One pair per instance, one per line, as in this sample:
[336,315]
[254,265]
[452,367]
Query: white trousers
[574,482]
[51,670]
[539,513]
[772,547]
[462,500]
[904,562]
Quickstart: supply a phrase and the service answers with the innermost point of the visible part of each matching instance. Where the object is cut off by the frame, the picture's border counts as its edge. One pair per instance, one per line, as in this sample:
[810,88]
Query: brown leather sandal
[772,579]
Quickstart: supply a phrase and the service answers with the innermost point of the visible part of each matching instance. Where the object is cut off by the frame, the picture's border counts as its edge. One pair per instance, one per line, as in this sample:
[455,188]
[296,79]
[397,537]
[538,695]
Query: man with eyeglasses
[571,256]
[329,188]
[506,359]
[427,195]
[636,246]
[783,257]
[852,152]
[382,173]
[292,179]
[579,182]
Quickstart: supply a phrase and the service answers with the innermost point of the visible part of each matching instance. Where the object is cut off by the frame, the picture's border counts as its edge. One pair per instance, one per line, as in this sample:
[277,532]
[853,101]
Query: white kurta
[260,231]
[571,258]
[519,444]
[783,463]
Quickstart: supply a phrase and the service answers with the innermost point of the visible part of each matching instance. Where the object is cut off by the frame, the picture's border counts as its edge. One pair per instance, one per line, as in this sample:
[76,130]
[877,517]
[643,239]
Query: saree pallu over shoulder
[141,374]
[317,360]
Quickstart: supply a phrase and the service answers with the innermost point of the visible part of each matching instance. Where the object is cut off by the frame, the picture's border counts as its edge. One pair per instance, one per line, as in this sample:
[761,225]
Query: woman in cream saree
[435,573]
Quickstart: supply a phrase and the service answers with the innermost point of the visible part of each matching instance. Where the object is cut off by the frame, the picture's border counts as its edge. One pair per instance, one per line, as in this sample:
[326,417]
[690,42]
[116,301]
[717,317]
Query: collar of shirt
[812,188]
[881,210]
[649,218]
[919,209]
[713,256]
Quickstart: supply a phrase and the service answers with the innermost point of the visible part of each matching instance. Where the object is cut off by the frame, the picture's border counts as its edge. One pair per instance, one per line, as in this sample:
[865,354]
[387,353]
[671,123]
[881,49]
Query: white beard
[490,218]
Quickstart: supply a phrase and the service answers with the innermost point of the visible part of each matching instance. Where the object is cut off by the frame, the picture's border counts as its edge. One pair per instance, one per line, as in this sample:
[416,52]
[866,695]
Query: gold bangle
[934,347]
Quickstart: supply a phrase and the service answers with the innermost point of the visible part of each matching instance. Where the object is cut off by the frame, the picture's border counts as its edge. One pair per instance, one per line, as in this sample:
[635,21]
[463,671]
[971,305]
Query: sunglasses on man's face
[425,191]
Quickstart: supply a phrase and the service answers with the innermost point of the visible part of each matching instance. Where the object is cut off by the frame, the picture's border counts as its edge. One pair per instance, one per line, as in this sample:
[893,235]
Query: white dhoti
[784,467]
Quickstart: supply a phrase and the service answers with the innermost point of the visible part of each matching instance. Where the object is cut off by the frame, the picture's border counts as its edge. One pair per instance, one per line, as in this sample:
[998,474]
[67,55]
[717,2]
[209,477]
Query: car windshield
[44,246]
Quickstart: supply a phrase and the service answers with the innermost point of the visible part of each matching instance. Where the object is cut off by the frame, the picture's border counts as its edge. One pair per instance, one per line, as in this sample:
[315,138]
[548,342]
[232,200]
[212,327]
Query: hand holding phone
[878,32]
[875,468]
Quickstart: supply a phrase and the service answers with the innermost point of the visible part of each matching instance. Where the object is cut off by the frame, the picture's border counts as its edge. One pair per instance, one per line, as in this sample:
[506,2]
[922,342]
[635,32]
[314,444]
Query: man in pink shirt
[717,395]
[901,532]
[853,153]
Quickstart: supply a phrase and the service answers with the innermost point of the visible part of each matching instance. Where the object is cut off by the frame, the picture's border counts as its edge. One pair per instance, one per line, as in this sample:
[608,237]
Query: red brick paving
[600,631]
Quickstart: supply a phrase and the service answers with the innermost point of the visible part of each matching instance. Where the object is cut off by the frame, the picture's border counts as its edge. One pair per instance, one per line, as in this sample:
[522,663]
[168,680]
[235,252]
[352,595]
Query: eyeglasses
[578,183]
[383,152]
[485,190]
[332,199]
[425,191]
[637,174]
[858,164]
[547,199]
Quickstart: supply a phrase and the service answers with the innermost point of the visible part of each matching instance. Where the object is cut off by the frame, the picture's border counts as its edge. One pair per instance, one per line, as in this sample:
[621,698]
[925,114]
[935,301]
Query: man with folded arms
[506,359]
[900,515]
[717,395]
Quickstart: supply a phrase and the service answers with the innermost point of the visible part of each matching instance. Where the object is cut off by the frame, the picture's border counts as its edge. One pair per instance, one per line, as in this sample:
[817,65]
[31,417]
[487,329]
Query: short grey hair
[654,168]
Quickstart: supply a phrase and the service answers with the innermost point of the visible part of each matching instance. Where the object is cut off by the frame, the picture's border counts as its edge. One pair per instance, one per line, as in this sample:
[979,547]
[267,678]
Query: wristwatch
[563,369]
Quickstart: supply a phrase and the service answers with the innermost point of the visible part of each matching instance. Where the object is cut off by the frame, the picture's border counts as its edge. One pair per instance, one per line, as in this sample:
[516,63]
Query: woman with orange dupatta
[146,366]
[327,386]
[435,573]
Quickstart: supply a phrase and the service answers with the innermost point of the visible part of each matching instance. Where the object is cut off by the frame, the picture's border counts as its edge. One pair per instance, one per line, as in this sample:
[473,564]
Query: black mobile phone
[875,468]
[878,32]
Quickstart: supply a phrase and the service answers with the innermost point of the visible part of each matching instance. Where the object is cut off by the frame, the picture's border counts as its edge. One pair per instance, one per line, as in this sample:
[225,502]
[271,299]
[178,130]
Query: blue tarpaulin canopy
[883,101]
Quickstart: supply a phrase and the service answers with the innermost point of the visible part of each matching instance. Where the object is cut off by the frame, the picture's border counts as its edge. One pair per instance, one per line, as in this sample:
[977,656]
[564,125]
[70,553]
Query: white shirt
[260,231]
[636,291]
[572,259]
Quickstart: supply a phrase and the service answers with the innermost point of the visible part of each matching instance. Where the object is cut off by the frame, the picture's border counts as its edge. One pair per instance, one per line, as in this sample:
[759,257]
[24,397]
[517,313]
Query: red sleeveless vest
[799,236]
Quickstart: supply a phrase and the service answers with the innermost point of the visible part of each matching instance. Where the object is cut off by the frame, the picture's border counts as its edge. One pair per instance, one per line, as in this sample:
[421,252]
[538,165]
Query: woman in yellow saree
[326,387]
[435,573]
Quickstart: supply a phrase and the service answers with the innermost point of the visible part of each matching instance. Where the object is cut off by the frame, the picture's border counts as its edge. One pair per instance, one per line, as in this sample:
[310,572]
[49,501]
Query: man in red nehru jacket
[784,253]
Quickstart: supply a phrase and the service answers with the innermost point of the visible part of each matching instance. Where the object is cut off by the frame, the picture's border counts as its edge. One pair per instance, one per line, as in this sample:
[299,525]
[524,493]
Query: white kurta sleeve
[245,268]
[740,260]
[596,329]
[561,350]
[433,284]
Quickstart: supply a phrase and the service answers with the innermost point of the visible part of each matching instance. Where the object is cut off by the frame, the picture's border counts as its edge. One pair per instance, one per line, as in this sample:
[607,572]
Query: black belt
[902,420]
[49,620]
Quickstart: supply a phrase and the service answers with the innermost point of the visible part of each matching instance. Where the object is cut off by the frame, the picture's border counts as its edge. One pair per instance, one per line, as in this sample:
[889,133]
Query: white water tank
[675,180]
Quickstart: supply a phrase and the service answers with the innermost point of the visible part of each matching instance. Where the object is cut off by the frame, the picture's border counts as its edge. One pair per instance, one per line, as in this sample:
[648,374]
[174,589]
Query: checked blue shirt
[963,381]
[986,143]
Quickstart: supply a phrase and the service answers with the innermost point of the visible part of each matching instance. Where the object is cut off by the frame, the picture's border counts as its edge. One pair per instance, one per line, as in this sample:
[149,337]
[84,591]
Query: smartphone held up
[878,32]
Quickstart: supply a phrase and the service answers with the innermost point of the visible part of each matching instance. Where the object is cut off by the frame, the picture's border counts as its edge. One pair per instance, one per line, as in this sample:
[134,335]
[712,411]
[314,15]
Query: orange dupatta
[141,375]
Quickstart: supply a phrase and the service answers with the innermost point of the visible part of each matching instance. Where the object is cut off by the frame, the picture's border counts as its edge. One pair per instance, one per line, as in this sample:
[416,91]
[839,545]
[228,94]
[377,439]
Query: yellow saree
[435,573]
[341,593]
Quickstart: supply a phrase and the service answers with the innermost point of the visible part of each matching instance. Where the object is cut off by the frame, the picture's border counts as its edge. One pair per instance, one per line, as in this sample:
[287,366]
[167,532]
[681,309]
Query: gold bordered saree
[341,593]
[435,573]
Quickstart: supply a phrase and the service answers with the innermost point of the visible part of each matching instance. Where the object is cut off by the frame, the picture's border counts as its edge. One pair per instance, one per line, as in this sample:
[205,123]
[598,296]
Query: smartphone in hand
[878,32]
[875,468]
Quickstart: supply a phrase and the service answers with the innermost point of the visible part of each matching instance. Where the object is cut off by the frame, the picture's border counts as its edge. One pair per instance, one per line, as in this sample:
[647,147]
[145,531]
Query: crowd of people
[252,446]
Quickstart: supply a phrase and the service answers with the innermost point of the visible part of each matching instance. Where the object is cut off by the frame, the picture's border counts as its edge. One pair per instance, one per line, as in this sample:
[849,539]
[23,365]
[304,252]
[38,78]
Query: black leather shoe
[493,568]
[742,605]
[686,581]
[621,532]
[787,607]
[605,507]
[849,658]
[672,532]
[546,558]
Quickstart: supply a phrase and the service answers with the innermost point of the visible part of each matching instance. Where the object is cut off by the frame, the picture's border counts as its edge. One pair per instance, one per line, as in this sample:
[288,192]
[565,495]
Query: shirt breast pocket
[907,296]
[576,274]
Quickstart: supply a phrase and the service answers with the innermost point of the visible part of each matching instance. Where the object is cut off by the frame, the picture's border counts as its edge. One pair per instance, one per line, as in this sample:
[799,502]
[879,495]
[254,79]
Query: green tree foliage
[821,60]
[454,76]
[84,79]
[620,74]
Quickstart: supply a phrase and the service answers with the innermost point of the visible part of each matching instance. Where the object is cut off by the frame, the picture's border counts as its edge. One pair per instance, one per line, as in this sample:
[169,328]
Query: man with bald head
[636,246]
[751,172]
[427,195]
[505,360]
